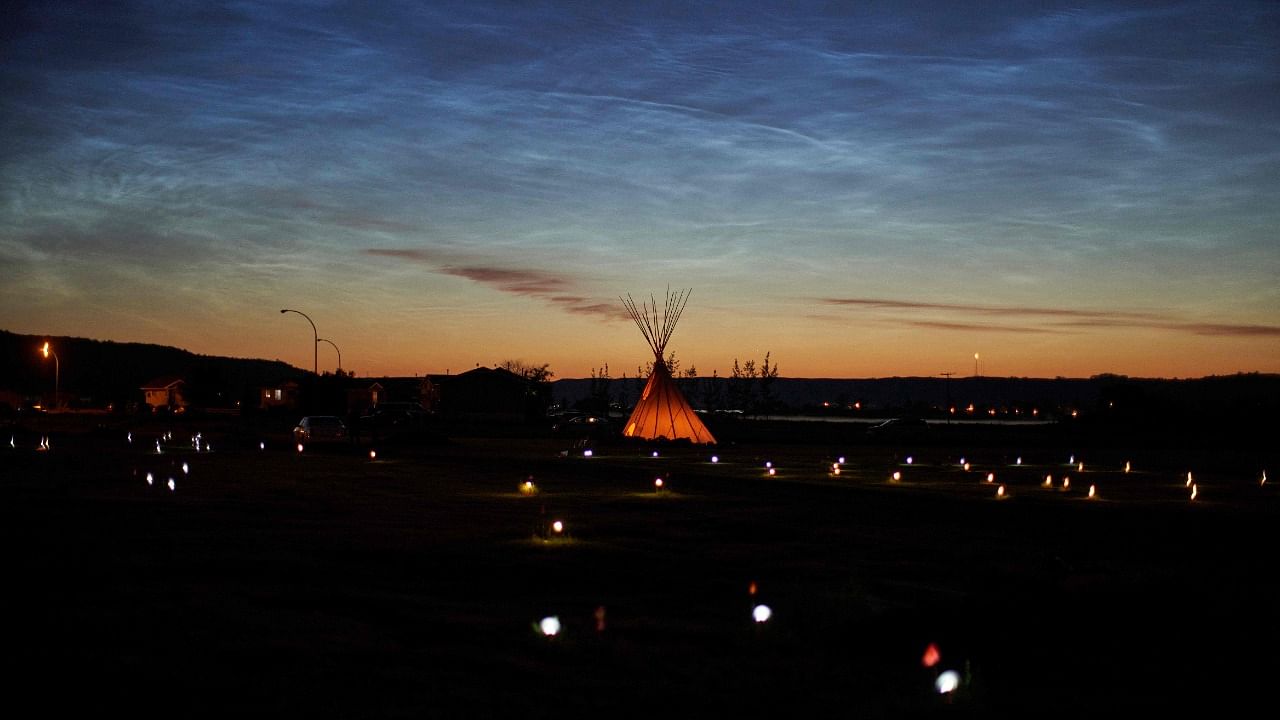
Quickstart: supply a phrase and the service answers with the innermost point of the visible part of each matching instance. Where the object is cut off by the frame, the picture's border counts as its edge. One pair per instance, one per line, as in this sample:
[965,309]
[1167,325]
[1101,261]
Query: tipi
[662,411]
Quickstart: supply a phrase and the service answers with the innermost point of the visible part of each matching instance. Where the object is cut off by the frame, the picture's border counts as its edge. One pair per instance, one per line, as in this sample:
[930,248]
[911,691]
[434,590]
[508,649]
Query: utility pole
[947,409]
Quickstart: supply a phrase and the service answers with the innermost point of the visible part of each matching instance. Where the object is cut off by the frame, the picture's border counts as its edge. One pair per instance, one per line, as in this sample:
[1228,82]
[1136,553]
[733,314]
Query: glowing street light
[46,351]
[315,346]
[335,347]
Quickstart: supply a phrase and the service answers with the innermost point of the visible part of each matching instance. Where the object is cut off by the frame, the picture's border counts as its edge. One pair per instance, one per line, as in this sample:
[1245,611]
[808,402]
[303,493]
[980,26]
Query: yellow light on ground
[1188,479]
[1048,480]
[897,476]
[549,626]
[373,454]
[1195,490]
[1093,491]
[1000,492]
[1264,478]
[835,470]
[1080,467]
[761,613]
[991,477]
[772,472]
[557,527]
[1127,466]
[528,488]
[657,483]
[966,467]
[1066,483]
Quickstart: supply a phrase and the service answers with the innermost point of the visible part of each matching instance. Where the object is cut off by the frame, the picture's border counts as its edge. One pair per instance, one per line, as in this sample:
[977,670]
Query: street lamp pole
[57,369]
[315,345]
[335,347]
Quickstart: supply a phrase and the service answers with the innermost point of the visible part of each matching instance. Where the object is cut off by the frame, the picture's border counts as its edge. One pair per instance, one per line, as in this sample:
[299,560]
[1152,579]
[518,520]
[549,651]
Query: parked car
[320,428]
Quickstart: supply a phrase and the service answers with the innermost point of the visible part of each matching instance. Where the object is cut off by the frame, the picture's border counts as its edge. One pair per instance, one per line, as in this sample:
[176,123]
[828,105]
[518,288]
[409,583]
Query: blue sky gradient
[878,189]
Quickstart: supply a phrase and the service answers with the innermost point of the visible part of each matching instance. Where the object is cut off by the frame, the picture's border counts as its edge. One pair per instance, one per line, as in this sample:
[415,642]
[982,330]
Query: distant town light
[1093,491]
[557,527]
[715,458]
[910,459]
[150,479]
[373,454]
[171,485]
[897,476]
[587,453]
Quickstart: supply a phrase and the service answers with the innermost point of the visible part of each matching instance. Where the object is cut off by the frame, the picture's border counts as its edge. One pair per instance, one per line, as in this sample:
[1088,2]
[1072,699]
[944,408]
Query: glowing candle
[549,626]
[1264,478]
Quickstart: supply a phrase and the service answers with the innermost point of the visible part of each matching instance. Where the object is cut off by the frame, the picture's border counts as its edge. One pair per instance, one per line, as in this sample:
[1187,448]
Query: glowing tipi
[662,411]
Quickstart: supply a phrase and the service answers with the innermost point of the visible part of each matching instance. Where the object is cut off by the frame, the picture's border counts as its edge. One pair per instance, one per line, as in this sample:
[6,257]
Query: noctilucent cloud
[878,189]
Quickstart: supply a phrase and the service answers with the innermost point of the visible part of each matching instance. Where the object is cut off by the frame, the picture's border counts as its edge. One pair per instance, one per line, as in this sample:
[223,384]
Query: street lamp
[975,364]
[315,346]
[335,347]
[57,369]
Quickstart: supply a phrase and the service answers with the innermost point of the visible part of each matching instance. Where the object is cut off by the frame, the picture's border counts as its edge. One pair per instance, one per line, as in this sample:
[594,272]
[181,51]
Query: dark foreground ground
[324,583]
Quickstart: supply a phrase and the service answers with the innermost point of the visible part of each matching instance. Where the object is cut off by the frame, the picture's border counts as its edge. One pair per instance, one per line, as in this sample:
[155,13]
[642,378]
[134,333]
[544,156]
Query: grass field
[326,583]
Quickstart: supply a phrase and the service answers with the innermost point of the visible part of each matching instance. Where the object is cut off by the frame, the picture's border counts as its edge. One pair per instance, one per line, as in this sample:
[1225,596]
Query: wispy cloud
[1055,319]
[539,284]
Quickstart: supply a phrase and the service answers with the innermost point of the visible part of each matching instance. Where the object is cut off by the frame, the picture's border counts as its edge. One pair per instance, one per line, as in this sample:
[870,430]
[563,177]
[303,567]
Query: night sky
[878,190]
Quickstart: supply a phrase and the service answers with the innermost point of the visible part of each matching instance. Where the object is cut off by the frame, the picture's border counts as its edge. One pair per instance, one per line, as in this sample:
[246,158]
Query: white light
[1019,462]
[762,613]
[1093,490]
[966,467]
[586,453]
[171,485]
[655,453]
[910,459]
[373,454]
[130,436]
[657,482]
[557,526]
[185,470]
[550,626]
[991,477]
[962,462]
[1189,480]
[1080,467]
[1194,491]
[1126,466]
[768,463]
[841,460]
[715,458]
[299,447]
[947,682]
[14,446]
[897,476]
[262,446]
[158,450]
[1072,460]
[151,479]
[772,472]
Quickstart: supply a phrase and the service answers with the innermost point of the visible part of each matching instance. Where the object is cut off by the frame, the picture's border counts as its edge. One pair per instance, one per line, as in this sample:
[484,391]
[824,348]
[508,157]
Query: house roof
[164,382]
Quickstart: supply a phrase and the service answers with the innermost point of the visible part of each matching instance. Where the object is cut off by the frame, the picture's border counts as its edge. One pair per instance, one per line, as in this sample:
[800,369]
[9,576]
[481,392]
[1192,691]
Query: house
[283,395]
[492,394]
[165,393]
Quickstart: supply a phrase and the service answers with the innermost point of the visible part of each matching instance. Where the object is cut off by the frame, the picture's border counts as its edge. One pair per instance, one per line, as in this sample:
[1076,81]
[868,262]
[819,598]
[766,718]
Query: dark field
[327,584]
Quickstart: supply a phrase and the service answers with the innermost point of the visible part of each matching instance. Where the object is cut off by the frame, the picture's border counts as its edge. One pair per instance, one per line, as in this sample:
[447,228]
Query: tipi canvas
[662,411]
